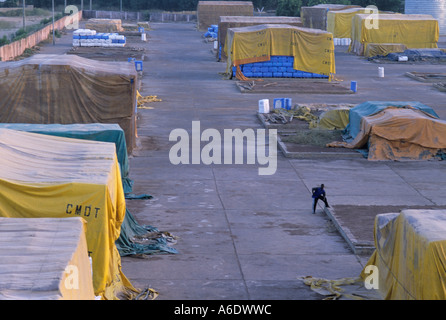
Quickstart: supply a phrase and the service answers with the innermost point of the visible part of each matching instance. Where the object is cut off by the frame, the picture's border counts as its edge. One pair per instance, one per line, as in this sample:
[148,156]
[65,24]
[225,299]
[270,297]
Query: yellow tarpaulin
[399,134]
[339,23]
[335,119]
[313,50]
[410,256]
[412,30]
[44,176]
[44,259]
[383,49]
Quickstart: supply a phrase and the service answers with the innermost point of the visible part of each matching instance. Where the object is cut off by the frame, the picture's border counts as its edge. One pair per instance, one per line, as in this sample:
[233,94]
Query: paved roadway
[241,235]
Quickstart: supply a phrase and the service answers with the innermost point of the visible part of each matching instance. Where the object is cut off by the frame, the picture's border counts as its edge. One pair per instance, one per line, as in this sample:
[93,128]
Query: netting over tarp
[44,259]
[69,89]
[410,255]
[313,50]
[134,238]
[91,131]
[411,30]
[44,176]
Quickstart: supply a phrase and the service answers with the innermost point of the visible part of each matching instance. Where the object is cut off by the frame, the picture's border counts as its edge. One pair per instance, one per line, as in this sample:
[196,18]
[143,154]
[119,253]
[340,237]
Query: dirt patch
[132,49]
[360,220]
[440,86]
[427,77]
[280,85]
[108,54]
[298,131]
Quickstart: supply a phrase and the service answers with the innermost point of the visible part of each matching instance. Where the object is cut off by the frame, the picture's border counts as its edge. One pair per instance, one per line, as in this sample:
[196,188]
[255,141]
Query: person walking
[318,193]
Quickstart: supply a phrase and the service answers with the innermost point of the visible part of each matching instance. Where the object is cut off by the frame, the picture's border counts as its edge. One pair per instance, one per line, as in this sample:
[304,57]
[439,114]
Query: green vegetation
[284,7]
[28,13]
[23,33]
[314,137]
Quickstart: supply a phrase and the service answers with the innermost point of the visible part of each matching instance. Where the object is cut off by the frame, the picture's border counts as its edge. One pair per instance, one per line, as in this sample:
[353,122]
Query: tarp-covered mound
[91,131]
[399,133]
[227,22]
[104,25]
[339,23]
[383,49]
[134,238]
[334,119]
[69,89]
[44,259]
[44,176]
[410,255]
[372,107]
[312,49]
[411,30]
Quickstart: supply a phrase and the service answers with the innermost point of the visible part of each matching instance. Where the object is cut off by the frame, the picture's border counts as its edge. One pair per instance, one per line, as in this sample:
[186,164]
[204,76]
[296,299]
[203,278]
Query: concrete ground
[243,236]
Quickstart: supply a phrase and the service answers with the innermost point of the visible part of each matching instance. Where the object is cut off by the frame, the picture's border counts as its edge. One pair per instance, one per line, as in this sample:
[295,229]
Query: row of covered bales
[67,127]
[366,32]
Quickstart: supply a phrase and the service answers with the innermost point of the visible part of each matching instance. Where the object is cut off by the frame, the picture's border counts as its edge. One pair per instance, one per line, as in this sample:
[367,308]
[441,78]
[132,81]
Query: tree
[385,5]
[288,8]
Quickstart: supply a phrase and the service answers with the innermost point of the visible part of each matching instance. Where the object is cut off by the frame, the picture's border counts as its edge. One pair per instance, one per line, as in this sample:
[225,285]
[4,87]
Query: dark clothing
[318,194]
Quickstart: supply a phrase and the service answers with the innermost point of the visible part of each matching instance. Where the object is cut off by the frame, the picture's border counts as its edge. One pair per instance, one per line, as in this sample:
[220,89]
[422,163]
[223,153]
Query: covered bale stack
[44,259]
[410,30]
[68,89]
[104,25]
[209,12]
[227,22]
[311,50]
[408,263]
[44,176]
[316,16]
[395,131]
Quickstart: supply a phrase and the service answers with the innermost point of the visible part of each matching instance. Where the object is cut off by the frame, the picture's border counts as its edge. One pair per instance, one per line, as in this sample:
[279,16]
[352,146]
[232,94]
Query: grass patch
[314,137]
[7,25]
[28,12]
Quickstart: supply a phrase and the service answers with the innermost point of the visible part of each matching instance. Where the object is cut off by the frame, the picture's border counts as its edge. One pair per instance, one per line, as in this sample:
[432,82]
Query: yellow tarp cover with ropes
[412,30]
[312,49]
[410,255]
[44,176]
[339,23]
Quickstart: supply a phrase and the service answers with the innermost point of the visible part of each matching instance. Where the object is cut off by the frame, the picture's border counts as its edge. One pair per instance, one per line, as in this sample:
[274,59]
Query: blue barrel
[138,65]
[354,86]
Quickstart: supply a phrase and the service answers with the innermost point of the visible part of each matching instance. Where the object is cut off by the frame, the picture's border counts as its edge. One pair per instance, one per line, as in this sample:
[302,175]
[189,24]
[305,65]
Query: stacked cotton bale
[414,31]
[209,12]
[227,22]
[91,38]
[104,25]
[315,17]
